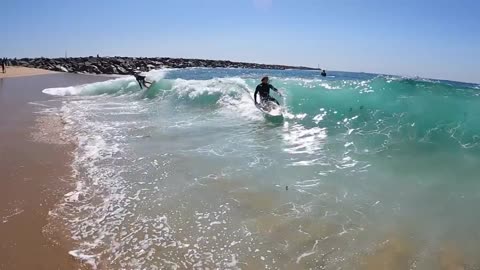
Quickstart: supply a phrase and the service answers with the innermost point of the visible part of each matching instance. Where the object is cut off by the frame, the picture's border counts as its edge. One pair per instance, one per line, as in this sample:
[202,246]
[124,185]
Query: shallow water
[364,172]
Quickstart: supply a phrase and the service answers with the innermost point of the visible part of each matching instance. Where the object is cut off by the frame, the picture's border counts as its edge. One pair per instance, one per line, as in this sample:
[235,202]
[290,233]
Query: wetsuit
[140,79]
[264,90]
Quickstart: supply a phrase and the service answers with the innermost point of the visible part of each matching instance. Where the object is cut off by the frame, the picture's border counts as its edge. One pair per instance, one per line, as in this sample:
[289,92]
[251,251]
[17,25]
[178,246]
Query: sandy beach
[13,71]
[34,172]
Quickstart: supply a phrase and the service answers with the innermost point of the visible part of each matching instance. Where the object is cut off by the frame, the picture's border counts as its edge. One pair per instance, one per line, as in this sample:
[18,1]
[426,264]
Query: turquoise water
[364,172]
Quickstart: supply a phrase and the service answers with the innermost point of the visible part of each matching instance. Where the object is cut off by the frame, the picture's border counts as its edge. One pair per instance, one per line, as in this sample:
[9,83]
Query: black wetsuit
[140,80]
[264,90]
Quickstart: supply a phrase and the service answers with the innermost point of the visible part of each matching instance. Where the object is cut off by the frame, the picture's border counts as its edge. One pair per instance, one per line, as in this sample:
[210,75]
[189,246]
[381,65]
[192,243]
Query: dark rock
[122,71]
[60,68]
[125,65]
[109,70]
[92,69]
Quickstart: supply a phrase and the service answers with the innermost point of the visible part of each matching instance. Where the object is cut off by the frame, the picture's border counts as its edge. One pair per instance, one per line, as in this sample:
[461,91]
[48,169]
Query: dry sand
[22,71]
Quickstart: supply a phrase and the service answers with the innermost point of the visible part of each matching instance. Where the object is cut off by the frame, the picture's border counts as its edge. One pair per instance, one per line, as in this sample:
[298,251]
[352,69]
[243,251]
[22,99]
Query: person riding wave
[141,79]
[264,90]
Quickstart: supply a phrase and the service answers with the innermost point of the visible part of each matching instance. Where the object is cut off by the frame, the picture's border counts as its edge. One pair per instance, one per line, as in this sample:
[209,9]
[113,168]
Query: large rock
[92,69]
[110,70]
[60,68]
[122,71]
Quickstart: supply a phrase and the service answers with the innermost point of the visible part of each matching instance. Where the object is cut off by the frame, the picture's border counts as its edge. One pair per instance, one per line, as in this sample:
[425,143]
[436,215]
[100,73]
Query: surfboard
[148,84]
[270,108]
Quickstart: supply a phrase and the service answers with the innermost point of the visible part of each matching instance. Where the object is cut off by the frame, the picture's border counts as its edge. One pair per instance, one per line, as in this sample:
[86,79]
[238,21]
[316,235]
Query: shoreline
[35,173]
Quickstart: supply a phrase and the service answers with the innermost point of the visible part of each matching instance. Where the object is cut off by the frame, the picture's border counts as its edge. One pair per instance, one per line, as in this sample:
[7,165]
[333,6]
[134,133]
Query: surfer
[324,73]
[264,90]
[140,79]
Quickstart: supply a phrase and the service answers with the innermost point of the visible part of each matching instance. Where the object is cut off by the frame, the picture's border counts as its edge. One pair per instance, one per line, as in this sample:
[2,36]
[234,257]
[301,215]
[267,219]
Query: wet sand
[22,71]
[34,174]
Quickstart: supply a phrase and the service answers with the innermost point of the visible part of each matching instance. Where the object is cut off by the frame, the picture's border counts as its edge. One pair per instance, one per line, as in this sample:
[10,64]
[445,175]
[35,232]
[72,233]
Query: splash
[121,85]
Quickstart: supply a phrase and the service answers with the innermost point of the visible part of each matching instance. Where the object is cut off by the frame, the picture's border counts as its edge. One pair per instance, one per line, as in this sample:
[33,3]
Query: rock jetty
[126,65]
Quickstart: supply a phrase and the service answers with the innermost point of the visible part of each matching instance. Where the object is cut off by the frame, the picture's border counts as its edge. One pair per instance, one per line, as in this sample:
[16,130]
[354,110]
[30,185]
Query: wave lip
[118,85]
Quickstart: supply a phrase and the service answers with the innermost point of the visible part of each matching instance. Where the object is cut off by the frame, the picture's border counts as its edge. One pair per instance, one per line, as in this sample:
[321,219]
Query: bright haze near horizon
[432,39]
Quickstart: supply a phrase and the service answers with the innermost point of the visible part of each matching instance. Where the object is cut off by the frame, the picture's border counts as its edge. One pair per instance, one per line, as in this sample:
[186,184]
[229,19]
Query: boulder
[122,71]
[60,68]
[110,70]
[92,69]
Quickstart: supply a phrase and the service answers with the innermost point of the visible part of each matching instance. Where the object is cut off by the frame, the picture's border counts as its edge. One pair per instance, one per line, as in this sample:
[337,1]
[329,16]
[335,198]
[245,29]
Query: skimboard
[148,84]
[270,109]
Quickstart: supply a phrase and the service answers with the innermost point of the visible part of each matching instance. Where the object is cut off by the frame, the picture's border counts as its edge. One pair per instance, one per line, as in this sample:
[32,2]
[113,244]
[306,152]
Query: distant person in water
[324,73]
[140,79]
[3,65]
[264,90]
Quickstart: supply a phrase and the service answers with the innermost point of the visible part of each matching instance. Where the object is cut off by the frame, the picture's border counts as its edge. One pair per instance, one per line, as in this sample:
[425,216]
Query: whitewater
[365,171]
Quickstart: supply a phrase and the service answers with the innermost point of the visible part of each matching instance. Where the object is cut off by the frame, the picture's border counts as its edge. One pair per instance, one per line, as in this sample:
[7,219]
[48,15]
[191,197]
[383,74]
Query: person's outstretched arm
[275,89]
[255,94]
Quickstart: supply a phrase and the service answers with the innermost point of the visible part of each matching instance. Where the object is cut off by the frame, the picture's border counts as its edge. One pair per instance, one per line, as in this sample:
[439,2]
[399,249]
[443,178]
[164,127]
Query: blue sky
[435,39]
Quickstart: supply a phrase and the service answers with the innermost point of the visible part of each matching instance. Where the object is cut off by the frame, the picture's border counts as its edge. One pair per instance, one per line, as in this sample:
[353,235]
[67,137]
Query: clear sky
[428,38]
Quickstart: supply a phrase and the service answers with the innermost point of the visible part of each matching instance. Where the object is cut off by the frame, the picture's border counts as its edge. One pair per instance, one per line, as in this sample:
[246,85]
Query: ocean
[365,171]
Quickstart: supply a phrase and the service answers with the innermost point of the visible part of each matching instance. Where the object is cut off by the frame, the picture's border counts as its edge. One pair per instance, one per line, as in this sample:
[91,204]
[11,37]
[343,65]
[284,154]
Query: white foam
[194,88]
[110,86]
[105,212]
[6,218]
[99,193]
[125,83]
[88,259]
[234,94]
[233,262]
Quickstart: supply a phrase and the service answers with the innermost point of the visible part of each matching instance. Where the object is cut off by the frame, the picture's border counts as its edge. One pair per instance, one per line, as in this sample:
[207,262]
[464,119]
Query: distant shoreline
[126,65]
